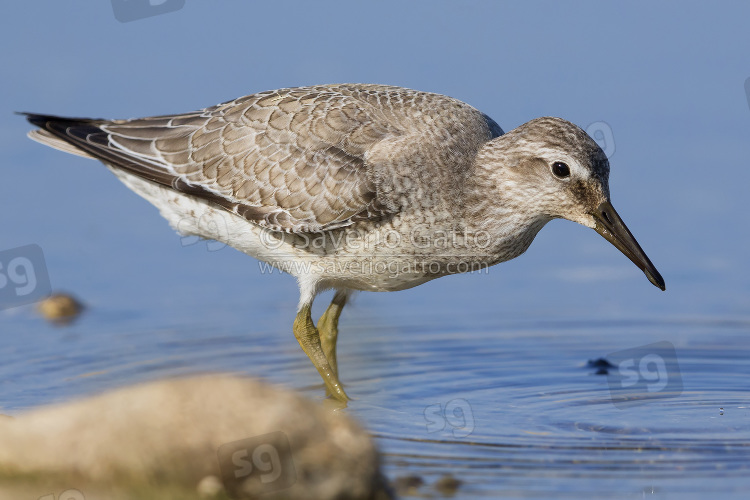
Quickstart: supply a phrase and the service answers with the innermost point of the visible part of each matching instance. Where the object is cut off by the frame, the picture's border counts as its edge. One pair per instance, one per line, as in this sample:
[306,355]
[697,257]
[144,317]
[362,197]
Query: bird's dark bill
[610,225]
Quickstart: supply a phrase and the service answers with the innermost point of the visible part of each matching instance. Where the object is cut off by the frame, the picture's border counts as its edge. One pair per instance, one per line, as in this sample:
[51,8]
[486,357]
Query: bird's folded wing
[291,160]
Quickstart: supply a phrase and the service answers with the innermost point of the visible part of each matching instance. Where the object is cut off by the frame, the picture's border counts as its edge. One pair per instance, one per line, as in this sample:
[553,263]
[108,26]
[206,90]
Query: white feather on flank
[44,137]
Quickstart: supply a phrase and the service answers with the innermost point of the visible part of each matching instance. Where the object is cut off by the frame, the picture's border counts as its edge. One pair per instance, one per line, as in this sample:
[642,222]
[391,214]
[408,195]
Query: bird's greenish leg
[309,339]
[328,326]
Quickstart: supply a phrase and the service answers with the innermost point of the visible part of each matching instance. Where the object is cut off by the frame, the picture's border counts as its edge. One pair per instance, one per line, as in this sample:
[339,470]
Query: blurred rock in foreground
[233,436]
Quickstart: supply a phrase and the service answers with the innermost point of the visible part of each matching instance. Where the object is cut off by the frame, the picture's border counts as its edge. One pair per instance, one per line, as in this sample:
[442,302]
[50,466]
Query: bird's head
[550,168]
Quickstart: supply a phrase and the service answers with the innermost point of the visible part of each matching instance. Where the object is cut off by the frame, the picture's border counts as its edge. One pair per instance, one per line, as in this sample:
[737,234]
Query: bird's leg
[309,338]
[328,326]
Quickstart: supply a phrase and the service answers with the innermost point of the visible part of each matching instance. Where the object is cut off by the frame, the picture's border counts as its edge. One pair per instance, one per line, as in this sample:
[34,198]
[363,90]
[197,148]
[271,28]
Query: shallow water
[508,405]
[504,354]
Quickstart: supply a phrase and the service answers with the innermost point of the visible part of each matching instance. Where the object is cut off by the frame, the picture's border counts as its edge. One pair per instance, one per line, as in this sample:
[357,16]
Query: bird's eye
[560,170]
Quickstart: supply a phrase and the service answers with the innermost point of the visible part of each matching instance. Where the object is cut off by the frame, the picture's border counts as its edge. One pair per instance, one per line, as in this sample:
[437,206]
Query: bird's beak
[614,230]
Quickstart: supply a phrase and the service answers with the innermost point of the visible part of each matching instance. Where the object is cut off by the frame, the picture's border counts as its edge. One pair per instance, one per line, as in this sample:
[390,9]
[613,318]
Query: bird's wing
[291,160]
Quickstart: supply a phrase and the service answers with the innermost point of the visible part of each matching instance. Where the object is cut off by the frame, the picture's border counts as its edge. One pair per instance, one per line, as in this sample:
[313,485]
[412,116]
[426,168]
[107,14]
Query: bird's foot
[328,328]
[309,339]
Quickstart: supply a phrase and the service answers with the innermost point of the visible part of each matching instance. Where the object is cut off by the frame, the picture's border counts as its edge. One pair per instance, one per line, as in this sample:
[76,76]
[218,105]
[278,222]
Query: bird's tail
[43,136]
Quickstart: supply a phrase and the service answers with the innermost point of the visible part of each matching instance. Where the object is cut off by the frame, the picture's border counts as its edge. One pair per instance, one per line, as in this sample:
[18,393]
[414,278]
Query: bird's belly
[354,268]
[368,258]
[374,274]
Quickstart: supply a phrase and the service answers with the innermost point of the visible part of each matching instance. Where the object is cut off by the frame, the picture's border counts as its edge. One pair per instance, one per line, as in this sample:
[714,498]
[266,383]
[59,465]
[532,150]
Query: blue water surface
[483,376]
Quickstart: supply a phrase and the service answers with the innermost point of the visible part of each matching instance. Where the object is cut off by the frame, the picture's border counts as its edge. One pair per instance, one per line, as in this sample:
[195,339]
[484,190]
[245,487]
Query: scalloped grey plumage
[305,159]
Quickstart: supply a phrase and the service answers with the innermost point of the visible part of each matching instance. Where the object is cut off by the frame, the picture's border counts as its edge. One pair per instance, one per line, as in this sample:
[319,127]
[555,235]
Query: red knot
[356,187]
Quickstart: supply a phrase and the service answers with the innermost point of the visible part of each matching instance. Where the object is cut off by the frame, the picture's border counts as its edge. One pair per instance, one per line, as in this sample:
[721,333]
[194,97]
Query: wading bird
[355,187]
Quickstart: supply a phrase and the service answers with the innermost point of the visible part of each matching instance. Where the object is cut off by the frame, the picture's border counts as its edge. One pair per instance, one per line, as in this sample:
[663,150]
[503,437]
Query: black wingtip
[41,120]
[33,118]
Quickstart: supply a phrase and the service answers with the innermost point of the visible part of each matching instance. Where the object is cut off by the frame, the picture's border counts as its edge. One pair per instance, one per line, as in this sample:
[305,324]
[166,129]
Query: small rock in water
[447,485]
[602,366]
[599,363]
[408,485]
[60,308]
